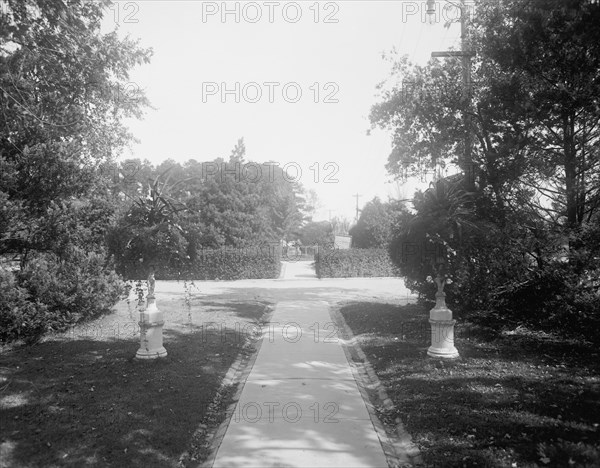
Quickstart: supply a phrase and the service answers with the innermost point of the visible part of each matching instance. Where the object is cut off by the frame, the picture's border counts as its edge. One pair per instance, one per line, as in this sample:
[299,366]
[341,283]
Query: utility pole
[465,56]
[440,317]
[357,196]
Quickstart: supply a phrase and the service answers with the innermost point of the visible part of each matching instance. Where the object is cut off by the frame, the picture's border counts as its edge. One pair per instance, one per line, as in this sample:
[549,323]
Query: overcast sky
[305,76]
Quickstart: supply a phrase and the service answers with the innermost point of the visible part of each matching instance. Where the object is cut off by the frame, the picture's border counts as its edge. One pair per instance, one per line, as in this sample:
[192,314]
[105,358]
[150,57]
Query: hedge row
[352,263]
[223,264]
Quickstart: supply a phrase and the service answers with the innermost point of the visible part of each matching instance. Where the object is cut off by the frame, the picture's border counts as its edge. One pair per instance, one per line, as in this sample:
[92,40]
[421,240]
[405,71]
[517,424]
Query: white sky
[190,53]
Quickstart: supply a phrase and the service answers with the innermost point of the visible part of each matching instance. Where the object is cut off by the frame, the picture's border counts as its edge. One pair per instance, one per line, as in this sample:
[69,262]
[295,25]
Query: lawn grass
[80,399]
[515,398]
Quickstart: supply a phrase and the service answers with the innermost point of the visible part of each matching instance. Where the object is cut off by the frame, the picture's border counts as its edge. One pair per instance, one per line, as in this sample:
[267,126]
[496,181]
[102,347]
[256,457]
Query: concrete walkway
[300,406]
[300,270]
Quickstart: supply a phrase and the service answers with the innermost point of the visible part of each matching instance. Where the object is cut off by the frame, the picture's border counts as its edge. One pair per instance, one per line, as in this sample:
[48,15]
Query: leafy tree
[432,242]
[285,212]
[230,203]
[239,151]
[316,233]
[535,113]
[535,110]
[60,116]
[287,205]
[374,227]
[240,203]
[312,204]
[541,61]
[63,100]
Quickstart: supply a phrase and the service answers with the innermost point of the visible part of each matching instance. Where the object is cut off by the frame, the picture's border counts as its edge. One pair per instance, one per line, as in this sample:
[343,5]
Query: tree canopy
[64,95]
[533,216]
[535,109]
[63,103]
[230,203]
[374,226]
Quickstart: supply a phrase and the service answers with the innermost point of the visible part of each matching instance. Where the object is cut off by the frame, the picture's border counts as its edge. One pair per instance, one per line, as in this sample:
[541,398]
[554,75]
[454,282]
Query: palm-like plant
[445,217]
[157,207]
[446,214]
[155,235]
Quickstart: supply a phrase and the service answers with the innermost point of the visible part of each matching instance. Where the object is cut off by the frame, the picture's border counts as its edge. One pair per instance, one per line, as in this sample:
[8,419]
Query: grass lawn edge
[397,443]
[208,440]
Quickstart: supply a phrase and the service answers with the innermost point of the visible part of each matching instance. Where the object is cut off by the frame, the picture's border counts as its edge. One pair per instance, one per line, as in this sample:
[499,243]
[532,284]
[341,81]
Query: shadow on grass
[241,309]
[81,402]
[523,399]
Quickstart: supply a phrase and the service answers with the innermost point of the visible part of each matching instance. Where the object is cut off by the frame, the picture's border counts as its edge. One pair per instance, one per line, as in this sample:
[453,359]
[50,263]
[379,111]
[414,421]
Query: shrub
[507,270]
[354,263]
[222,264]
[52,293]
[19,316]
[554,299]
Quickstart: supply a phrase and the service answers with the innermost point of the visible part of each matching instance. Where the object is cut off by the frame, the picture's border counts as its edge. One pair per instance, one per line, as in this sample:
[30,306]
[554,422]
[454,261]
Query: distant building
[342,242]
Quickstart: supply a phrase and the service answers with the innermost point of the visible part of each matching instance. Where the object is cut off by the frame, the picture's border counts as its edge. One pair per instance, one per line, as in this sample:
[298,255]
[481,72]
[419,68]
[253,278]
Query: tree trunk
[570,165]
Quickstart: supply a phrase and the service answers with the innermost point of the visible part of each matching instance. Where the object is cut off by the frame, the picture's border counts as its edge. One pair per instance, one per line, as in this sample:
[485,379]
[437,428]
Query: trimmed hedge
[222,264]
[354,263]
